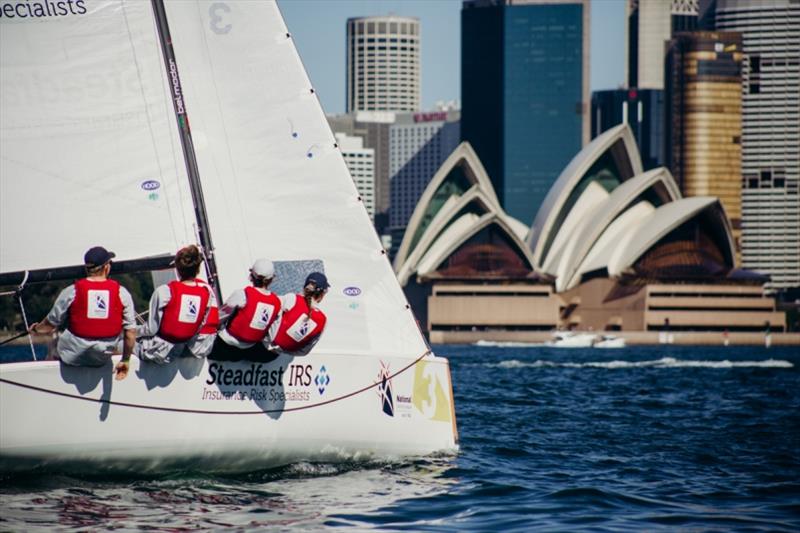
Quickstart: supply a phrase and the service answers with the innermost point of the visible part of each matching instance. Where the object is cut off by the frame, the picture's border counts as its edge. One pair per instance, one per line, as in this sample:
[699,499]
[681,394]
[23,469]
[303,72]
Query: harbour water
[639,438]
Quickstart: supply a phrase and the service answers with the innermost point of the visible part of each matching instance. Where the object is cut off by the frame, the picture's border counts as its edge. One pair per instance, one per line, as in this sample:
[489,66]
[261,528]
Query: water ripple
[643,438]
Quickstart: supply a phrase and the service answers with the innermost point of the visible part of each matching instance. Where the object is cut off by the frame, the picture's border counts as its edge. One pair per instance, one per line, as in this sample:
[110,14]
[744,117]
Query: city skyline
[314,22]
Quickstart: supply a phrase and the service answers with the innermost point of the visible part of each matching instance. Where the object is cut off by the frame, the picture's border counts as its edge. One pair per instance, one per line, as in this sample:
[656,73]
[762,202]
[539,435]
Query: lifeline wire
[24,316]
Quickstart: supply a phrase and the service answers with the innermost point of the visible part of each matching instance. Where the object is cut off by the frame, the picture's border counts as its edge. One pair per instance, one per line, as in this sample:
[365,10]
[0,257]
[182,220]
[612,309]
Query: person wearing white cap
[248,313]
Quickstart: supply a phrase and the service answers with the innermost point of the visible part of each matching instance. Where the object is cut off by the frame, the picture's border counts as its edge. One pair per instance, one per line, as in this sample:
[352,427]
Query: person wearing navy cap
[301,322]
[96,311]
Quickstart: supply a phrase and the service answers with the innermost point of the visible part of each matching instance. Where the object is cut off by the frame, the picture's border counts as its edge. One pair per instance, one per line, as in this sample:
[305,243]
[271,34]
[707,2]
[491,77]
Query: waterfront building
[419,144]
[650,24]
[642,110]
[704,117]
[525,93]
[383,64]
[770,87]
[611,248]
[361,163]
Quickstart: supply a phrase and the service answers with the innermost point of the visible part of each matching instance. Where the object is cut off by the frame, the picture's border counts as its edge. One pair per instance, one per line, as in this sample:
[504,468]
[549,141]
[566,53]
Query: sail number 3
[217,12]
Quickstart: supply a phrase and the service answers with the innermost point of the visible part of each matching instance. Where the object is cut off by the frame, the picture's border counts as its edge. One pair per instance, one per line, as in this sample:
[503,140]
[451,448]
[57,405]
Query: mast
[187,145]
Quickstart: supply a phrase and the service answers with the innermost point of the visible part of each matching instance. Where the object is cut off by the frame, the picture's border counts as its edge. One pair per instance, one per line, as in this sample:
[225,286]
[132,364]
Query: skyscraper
[770,133]
[383,64]
[525,93]
[642,110]
[419,144]
[650,24]
[704,117]
[361,163]
[373,128]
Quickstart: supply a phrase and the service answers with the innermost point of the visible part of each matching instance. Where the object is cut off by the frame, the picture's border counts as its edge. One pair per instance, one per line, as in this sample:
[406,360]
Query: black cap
[318,279]
[97,256]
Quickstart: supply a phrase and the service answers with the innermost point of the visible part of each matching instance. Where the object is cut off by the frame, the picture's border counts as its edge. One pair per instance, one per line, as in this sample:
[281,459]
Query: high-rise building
[361,163]
[525,93]
[373,128]
[642,110]
[419,144]
[383,64]
[770,134]
[703,117]
[650,24]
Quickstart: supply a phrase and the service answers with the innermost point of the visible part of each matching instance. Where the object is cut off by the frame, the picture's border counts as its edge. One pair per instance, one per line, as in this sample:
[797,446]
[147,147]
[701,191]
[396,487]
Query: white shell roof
[570,177]
[657,225]
[595,221]
[473,169]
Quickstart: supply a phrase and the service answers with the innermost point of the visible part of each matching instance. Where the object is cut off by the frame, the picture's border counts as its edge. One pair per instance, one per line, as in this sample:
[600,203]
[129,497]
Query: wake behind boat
[110,153]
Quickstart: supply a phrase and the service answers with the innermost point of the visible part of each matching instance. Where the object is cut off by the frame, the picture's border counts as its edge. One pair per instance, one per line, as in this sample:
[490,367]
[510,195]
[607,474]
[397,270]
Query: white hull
[572,340]
[612,342]
[180,415]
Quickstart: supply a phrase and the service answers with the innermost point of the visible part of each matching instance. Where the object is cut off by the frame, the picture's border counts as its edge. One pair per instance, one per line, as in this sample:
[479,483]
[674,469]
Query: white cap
[263,268]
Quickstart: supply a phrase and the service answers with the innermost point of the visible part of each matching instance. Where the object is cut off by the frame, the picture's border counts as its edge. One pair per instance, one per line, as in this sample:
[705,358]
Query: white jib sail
[89,152]
[275,184]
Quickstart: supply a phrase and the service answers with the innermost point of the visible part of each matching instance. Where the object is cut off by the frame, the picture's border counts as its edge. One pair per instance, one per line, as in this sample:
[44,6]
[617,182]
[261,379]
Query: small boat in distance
[609,341]
[572,339]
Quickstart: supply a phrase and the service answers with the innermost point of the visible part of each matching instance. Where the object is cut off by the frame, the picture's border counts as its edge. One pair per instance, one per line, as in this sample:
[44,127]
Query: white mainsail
[274,181]
[89,152]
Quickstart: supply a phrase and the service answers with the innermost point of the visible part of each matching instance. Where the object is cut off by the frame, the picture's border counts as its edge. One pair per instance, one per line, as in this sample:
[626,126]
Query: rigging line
[24,315]
[206,412]
[187,144]
[149,119]
[237,194]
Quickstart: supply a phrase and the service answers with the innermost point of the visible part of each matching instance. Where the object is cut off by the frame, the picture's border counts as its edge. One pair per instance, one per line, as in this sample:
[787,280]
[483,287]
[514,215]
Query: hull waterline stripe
[203,412]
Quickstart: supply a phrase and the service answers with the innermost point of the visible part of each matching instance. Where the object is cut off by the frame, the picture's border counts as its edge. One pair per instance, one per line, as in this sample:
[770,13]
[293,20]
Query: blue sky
[318,27]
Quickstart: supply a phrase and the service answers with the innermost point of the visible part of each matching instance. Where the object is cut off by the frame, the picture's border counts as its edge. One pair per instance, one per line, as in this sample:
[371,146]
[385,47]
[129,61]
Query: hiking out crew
[301,323]
[96,311]
[178,312]
[248,313]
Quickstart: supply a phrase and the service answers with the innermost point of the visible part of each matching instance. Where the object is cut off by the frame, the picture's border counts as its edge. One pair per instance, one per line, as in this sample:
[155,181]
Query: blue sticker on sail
[351,291]
[150,185]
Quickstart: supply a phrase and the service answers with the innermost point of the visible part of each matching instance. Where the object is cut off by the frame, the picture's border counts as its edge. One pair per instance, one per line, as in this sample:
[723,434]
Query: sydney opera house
[611,248]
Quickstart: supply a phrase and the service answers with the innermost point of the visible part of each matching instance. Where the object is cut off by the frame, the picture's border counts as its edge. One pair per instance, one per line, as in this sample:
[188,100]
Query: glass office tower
[525,93]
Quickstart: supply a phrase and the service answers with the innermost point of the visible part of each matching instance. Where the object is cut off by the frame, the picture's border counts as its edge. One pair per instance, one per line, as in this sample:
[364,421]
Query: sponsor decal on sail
[23,9]
[351,291]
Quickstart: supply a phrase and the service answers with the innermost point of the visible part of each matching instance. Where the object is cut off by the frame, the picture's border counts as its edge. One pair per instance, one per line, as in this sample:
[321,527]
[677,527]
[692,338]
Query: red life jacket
[212,322]
[294,331]
[251,322]
[184,312]
[96,312]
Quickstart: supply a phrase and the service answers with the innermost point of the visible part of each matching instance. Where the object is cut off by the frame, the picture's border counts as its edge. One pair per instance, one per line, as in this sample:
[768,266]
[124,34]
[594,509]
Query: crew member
[248,313]
[301,323]
[178,312]
[96,310]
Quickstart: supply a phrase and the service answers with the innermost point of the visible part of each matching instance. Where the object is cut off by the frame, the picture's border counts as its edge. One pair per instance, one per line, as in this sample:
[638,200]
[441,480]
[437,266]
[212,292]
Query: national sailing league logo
[385,390]
[322,380]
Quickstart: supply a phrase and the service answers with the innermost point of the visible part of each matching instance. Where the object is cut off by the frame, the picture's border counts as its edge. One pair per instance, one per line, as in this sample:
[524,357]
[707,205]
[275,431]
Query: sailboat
[144,126]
